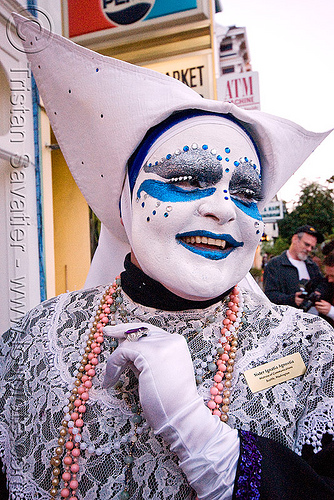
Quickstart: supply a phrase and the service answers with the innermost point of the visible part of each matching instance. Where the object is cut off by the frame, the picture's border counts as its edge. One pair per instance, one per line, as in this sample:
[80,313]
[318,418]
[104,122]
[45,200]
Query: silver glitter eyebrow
[192,163]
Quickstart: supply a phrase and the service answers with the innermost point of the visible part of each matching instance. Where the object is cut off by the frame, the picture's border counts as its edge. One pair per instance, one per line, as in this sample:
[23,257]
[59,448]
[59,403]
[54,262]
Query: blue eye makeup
[250,209]
[167,192]
[191,172]
[246,184]
[245,189]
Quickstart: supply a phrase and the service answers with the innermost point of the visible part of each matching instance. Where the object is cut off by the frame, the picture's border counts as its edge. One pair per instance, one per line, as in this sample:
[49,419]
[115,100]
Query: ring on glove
[136,333]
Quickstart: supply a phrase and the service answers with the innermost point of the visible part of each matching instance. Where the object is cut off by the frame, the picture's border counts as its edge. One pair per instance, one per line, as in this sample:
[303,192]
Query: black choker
[150,293]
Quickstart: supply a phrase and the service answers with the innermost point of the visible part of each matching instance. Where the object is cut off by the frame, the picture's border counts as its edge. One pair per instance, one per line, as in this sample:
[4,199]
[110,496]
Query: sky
[291,45]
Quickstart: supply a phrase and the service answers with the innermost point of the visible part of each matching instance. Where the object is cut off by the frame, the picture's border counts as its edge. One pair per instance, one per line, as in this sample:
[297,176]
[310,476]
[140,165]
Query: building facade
[48,230]
[21,269]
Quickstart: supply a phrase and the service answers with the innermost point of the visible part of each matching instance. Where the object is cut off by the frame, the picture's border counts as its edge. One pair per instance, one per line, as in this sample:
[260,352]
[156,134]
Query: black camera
[312,291]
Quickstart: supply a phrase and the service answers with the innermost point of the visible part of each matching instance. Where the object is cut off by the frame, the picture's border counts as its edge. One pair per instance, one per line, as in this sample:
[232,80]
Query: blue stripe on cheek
[170,192]
[249,208]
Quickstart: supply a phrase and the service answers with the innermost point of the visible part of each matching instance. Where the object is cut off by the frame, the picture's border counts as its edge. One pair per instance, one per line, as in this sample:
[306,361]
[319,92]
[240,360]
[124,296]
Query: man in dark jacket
[325,306]
[283,273]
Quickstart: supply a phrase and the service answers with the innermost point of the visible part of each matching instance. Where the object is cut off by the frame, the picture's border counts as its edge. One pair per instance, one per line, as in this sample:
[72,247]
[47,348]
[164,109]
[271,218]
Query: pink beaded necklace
[70,432]
[73,421]
[220,391]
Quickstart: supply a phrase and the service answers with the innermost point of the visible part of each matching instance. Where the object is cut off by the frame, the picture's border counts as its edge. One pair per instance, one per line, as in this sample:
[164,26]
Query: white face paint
[195,222]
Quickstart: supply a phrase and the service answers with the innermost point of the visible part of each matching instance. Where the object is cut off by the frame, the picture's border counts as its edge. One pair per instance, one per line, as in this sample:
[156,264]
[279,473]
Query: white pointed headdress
[100,109]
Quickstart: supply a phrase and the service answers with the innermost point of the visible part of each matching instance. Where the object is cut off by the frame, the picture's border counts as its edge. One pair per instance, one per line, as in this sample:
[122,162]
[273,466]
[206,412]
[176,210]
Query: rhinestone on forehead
[188,157]
[245,161]
[194,147]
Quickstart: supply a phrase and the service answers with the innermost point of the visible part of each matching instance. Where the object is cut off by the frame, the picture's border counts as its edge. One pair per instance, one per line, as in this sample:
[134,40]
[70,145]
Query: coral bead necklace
[71,428]
[76,408]
[221,389]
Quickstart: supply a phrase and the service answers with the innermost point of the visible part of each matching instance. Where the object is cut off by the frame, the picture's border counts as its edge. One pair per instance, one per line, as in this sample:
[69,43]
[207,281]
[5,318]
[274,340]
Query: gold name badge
[275,372]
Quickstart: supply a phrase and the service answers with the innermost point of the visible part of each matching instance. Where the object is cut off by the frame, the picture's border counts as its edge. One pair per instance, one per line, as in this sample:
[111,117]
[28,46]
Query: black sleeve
[315,272]
[3,485]
[272,287]
[270,471]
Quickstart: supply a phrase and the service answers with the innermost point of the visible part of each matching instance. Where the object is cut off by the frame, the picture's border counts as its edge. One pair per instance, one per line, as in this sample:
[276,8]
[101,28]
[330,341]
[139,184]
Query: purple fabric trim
[249,470]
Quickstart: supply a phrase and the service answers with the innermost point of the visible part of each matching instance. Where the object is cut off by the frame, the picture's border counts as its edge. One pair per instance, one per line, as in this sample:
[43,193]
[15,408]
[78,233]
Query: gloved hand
[207,448]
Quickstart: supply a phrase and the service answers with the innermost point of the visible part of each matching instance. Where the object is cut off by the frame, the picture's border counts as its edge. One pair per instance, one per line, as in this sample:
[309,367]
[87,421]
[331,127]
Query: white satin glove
[207,448]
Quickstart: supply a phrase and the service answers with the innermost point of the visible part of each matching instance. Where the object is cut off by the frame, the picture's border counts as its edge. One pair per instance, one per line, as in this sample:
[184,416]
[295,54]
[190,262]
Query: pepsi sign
[125,12]
[86,17]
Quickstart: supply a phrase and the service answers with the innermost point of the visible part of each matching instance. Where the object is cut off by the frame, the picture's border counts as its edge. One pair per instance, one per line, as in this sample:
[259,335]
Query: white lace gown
[38,368]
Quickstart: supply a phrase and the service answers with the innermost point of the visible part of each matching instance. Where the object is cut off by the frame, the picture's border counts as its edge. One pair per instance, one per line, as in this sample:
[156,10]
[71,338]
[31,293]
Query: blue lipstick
[220,252]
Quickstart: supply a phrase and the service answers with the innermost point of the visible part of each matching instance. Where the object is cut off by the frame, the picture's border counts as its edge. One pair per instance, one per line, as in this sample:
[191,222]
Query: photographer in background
[327,247]
[325,306]
[283,273]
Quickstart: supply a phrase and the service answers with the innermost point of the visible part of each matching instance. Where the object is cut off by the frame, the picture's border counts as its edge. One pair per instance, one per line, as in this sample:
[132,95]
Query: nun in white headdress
[169,380]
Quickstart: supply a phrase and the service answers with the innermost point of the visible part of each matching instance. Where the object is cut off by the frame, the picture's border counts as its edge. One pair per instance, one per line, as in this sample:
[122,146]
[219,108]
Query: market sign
[273,211]
[195,71]
[240,88]
[83,17]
